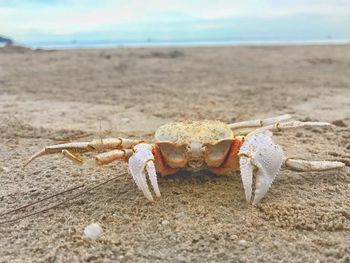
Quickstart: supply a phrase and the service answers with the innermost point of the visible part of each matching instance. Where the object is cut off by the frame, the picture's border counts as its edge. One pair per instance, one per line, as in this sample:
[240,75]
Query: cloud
[20,18]
[63,19]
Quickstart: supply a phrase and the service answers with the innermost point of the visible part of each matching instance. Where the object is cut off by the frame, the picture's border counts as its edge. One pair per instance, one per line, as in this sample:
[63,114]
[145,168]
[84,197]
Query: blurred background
[78,23]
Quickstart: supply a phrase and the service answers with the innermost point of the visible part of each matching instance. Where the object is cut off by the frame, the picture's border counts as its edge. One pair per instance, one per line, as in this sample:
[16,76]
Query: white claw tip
[150,199]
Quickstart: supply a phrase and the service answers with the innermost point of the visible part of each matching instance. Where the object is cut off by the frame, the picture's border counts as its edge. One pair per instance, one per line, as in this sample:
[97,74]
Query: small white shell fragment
[5,169]
[93,231]
[242,242]
[165,222]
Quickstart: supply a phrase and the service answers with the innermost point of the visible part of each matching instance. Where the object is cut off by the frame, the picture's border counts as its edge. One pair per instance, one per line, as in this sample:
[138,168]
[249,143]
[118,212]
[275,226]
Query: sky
[107,20]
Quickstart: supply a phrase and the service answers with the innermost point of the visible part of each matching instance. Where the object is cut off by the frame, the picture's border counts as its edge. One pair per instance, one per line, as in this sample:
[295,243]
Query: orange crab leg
[231,162]
[161,166]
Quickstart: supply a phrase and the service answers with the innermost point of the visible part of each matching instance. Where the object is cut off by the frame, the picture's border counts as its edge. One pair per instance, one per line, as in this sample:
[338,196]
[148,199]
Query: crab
[219,147]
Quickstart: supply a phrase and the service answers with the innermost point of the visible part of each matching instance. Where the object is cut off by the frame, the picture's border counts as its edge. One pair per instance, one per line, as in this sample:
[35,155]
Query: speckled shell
[187,132]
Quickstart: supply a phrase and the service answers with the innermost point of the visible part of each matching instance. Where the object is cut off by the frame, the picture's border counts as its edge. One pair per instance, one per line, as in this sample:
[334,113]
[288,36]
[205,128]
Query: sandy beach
[54,96]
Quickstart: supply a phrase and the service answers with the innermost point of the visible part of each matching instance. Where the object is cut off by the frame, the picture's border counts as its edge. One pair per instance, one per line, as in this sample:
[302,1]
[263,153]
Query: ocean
[209,43]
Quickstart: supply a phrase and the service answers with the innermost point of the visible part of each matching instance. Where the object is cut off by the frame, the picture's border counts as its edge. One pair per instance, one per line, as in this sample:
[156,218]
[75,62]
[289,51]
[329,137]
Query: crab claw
[261,157]
[140,164]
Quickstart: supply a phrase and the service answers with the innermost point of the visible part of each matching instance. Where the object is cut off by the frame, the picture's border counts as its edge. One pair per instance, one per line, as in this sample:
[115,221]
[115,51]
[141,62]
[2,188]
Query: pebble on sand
[93,231]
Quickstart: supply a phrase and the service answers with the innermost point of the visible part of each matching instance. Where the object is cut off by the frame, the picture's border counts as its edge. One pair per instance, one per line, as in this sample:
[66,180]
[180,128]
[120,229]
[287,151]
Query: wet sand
[53,96]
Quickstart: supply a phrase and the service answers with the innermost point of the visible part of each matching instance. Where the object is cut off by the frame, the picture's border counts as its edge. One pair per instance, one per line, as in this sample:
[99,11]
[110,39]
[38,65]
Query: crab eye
[215,153]
[188,148]
[204,148]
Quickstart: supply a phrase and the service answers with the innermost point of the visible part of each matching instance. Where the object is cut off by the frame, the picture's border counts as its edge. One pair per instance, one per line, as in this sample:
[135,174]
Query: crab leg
[81,147]
[73,157]
[305,166]
[245,127]
[110,156]
[281,126]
